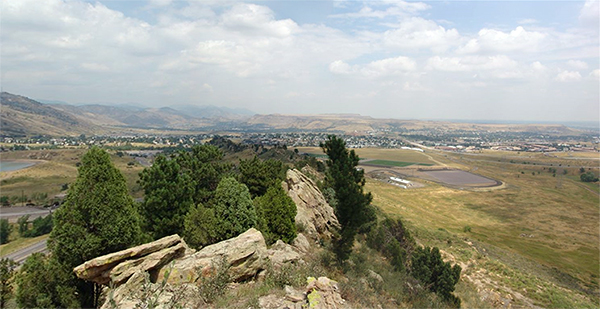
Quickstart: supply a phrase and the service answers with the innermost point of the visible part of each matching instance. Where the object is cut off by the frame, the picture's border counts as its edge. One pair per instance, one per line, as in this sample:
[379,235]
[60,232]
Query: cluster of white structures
[402,183]
[411,148]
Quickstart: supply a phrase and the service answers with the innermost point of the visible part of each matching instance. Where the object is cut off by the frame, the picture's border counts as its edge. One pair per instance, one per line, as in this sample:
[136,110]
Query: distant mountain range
[22,116]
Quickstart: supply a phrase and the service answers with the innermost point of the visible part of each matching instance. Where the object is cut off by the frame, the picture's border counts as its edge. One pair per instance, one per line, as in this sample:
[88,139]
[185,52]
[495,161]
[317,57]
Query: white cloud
[577,64]
[590,14]
[417,33]
[595,74]
[394,8]
[388,67]
[340,67]
[491,40]
[538,66]
[470,63]
[257,19]
[568,76]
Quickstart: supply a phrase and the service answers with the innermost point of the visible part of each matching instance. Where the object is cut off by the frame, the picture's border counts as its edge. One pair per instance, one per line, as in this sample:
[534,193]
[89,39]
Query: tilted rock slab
[313,211]
[146,257]
[244,256]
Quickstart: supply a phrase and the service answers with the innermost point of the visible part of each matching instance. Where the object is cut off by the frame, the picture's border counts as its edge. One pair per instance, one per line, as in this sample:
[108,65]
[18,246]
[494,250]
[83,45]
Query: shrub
[276,214]
[393,240]
[467,229]
[588,177]
[213,285]
[429,268]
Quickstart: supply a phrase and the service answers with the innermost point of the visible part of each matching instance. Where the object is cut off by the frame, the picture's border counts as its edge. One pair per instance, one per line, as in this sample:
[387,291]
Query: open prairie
[399,155]
[542,225]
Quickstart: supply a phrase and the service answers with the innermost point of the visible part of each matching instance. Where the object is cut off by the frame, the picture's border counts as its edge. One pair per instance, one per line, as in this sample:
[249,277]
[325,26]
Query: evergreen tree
[96,218]
[233,208]
[429,268]
[5,229]
[353,210]
[259,175]
[7,269]
[168,197]
[276,215]
[200,227]
[43,283]
[204,164]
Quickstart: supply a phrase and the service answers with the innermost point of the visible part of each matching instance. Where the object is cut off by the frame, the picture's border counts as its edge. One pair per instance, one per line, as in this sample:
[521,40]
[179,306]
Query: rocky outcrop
[313,212]
[117,267]
[166,269]
[281,253]
[244,256]
[322,293]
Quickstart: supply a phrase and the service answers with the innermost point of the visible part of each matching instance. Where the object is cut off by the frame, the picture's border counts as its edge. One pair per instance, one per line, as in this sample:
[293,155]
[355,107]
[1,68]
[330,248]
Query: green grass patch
[394,163]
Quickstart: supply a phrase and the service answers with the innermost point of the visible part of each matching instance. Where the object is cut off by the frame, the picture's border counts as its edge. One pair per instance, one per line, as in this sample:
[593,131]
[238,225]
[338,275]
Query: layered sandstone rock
[313,212]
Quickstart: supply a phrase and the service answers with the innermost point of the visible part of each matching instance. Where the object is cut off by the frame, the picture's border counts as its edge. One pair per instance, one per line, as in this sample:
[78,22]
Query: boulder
[139,292]
[244,256]
[281,253]
[99,269]
[124,270]
[313,213]
[301,243]
[323,293]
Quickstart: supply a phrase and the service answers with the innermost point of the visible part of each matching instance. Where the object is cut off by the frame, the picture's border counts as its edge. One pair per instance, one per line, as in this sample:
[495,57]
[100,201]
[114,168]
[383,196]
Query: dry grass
[382,154]
[56,168]
[563,221]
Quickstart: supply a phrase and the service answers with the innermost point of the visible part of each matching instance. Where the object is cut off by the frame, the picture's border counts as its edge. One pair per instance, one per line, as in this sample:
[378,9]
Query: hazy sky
[509,60]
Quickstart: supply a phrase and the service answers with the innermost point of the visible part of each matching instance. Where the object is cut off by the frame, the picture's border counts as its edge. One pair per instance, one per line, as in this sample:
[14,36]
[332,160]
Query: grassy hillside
[21,116]
[532,233]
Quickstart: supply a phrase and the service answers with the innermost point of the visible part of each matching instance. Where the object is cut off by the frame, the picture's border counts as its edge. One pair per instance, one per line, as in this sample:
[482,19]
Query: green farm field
[542,229]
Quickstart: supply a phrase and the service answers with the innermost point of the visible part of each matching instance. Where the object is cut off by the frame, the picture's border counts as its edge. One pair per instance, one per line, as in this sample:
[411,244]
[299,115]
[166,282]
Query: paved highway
[21,255]
[13,213]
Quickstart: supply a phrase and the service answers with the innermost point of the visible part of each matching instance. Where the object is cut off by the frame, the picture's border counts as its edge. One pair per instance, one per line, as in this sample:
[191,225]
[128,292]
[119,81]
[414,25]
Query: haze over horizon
[519,61]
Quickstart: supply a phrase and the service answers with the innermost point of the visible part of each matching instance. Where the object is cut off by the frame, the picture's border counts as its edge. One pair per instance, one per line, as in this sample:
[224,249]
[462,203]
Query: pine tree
[96,218]
[168,198]
[276,215]
[200,227]
[353,210]
[259,175]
